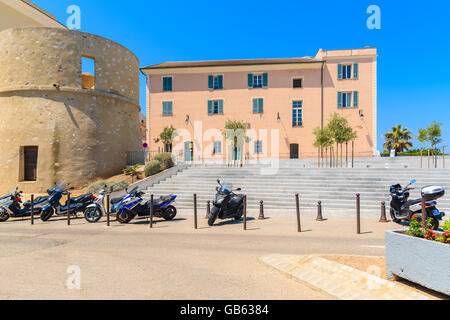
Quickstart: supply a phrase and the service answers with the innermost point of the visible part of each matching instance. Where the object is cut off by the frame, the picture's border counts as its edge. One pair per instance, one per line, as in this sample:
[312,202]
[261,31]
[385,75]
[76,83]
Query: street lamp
[187,120]
[361,115]
[278,117]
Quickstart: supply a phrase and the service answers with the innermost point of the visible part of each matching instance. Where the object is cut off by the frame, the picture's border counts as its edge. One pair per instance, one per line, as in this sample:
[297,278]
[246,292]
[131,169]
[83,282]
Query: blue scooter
[130,207]
[12,208]
[76,205]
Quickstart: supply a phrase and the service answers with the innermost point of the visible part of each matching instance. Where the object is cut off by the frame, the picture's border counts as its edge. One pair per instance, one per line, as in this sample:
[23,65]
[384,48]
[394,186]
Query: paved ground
[171,261]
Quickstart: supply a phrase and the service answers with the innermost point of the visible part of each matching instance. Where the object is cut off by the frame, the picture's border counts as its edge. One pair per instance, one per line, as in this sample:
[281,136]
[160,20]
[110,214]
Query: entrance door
[30,163]
[294,151]
[237,153]
[188,151]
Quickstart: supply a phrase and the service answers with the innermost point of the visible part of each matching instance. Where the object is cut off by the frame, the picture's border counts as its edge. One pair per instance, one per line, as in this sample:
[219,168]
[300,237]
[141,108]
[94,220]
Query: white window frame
[162,105]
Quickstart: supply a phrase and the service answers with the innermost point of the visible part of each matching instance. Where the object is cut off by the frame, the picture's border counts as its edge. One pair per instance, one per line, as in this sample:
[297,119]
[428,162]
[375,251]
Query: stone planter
[418,260]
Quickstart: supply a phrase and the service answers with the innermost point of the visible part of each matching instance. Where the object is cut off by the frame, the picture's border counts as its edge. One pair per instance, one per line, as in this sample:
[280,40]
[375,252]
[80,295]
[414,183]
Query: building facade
[281,101]
[58,123]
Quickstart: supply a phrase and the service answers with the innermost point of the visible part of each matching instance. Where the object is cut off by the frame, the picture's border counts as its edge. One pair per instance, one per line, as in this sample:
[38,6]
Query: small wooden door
[30,163]
[294,151]
[188,151]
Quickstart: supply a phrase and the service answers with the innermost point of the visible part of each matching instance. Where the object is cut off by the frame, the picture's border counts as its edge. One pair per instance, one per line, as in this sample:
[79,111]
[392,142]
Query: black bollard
[319,212]
[383,213]
[261,211]
[32,209]
[195,210]
[68,209]
[107,210]
[358,214]
[245,212]
[297,205]
[151,211]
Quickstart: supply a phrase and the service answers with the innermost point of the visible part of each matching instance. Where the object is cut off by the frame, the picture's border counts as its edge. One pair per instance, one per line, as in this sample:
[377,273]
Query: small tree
[432,134]
[167,136]
[337,127]
[323,139]
[235,133]
[349,134]
[398,139]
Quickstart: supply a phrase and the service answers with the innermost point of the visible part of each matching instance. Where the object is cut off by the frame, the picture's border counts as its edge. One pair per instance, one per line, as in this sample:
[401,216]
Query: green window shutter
[355,71]
[250,80]
[210,82]
[261,105]
[340,71]
[255,105]
[170,108]
[355,98]
[221,82]
[164,84]
[170,84]
[339,99]
[220,106]
[210,107]
[265,80]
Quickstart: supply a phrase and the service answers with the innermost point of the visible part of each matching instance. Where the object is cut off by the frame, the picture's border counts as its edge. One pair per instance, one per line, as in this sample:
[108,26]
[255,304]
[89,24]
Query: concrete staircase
[336,187]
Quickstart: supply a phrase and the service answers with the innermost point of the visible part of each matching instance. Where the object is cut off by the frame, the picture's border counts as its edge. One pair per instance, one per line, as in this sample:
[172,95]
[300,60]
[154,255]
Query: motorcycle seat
[236,200]
[412,202]
[81,198]
[36,201]
[159,202]
[116,200]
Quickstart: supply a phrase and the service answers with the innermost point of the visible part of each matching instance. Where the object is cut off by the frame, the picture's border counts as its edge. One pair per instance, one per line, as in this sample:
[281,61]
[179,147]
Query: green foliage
[446,226]
[132,171]
[398,139]
[152,168]
[168,135]
[165,158]
[432,134]
[339,129]
[108,186]
[415,228]
[323,138]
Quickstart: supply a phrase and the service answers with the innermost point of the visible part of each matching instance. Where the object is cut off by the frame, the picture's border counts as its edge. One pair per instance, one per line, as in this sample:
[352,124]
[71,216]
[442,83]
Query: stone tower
[57,123]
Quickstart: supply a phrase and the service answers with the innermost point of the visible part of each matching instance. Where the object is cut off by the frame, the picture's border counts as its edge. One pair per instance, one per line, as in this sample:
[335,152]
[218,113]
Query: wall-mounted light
[187,120]
[361,114]
[278,117]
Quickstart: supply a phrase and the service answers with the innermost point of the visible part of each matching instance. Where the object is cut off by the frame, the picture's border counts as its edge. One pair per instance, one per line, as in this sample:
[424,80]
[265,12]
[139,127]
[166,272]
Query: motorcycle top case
[432,192]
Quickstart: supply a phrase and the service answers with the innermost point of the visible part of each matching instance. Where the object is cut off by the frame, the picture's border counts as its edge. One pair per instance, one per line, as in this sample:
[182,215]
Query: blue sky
[413,43]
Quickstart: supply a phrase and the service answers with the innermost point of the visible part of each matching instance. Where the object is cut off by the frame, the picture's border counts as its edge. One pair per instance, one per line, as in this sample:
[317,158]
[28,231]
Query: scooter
[96,210]
[226,204]
[13,209]
[403,209]
[76,205]
[132,207]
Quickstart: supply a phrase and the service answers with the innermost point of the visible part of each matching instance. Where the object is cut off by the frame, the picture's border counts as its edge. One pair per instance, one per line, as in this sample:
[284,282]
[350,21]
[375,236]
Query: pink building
[280,100]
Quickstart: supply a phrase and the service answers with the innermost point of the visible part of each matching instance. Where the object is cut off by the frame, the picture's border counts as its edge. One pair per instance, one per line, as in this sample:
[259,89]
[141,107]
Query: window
[215,82]
[297,113]
[167,83]
[297,83]
[345,71]
[258,105]
[215,106]
[167,108]
[217,149]
[348,99]
[29,163]
[258,147]
[259,80]
[87,72]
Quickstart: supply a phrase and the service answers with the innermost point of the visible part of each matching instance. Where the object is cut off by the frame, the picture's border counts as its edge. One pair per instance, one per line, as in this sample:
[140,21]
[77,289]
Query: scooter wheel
[93,215]
[170,213]
[434,224]
[47,214]
[393,216]
[213,216]
[4,216]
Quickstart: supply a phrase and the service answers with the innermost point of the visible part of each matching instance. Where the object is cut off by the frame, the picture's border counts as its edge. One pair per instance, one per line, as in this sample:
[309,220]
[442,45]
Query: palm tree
[234,132]
[398,139]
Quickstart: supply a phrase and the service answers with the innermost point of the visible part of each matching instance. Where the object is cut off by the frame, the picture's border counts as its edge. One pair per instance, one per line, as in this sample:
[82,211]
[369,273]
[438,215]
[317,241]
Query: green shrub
[152,168]
[165,158]
[109,186]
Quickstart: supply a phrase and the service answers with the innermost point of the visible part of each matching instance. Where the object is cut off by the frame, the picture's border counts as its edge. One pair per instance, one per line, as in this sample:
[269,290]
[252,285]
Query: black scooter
[78,204]
[13,209]
[226,204]
[403,209]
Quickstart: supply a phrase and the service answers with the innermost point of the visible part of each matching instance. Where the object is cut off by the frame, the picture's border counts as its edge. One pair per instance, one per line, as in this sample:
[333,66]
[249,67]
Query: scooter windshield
[226,187]
[60,187]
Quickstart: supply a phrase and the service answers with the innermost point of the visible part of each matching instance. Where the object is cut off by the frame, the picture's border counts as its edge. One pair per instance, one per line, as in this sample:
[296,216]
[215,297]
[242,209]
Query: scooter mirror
[238,189]
[218,181]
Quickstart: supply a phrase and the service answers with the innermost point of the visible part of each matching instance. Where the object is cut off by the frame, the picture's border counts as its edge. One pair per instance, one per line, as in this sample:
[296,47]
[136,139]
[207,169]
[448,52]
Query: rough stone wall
[81,134]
